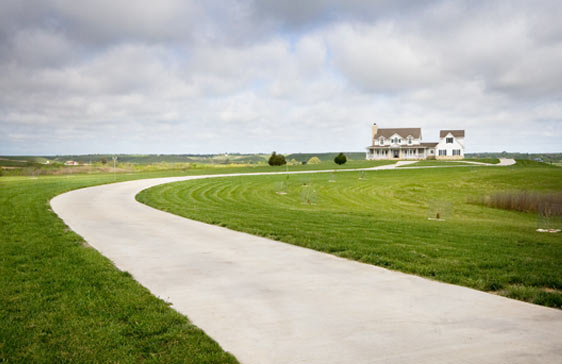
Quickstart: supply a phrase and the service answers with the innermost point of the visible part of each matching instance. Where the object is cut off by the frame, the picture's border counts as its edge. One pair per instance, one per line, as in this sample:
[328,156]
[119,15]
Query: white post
[114,159]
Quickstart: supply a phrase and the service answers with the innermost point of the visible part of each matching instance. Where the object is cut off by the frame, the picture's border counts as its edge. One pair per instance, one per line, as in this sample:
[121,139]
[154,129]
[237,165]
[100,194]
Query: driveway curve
[271,302]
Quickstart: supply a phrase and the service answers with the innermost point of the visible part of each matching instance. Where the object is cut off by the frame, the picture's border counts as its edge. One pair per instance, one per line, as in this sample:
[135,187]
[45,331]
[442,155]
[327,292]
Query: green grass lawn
[483,160]
[461,162]
[381,218]
[61,301]
[432,163]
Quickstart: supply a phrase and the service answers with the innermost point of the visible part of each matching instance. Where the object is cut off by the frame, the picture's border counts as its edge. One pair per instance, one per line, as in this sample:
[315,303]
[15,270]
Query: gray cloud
[177,76]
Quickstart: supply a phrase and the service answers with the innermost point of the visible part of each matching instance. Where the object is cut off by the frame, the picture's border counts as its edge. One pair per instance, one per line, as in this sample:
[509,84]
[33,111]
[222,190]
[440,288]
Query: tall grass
[524,201]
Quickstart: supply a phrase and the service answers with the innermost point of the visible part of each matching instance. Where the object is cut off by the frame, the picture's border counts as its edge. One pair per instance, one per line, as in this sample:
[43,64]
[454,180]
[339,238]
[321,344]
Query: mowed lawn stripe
[382,219]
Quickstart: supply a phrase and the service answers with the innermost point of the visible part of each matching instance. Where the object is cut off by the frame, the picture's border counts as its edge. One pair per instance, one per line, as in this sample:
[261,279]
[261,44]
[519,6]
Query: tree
[277,159]
[340,159]
[103,160]
[313,160]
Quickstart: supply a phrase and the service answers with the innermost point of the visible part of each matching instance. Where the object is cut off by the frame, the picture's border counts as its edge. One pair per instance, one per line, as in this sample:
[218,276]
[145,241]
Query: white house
[406,143]
[451,144]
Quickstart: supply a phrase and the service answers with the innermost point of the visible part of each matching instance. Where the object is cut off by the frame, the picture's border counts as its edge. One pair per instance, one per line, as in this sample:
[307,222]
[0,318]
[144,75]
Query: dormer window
[381,141]
[409,140]
[449,140]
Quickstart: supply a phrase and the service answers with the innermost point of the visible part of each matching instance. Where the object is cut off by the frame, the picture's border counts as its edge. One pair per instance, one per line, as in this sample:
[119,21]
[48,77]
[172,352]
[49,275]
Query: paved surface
[270,302]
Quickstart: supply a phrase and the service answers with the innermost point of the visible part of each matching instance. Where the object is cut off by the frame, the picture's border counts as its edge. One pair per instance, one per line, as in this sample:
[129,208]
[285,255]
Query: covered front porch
[411,152]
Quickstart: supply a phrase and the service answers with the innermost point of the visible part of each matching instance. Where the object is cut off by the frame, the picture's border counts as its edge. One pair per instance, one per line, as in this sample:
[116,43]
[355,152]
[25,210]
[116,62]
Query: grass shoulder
[61,301]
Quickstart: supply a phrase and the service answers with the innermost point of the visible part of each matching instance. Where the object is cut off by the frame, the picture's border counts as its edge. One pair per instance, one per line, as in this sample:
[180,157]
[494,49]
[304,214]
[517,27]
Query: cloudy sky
[210,76]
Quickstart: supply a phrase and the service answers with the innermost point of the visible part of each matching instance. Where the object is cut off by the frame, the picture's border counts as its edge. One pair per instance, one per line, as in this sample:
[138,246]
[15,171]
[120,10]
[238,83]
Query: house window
[456,152]
[410,140]
[443,152]
[449,141]
[381,141]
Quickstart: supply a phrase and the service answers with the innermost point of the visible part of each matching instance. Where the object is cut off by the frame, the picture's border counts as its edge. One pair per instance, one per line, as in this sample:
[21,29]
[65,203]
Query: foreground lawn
[381,218]
[61,301]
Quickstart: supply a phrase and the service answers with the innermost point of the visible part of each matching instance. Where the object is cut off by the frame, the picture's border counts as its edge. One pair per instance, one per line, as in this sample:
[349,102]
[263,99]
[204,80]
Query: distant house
[71,163]
[406,143]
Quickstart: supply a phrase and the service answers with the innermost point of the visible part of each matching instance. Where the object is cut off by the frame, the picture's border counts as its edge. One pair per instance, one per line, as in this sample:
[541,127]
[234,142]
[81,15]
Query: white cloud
[246,76]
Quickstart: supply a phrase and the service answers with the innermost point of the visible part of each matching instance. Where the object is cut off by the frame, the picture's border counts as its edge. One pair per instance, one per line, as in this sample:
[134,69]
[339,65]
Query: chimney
[375,130]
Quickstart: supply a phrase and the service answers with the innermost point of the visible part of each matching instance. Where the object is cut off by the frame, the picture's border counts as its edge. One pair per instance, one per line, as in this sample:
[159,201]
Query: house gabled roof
[403,132]
[456,133]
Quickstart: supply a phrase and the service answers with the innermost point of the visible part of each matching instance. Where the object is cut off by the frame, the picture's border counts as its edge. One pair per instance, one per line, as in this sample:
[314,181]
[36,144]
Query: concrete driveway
[270,302]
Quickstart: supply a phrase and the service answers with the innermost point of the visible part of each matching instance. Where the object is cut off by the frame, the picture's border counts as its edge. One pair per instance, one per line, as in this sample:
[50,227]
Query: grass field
[61,301]
[165,159]
[483,160]
[11,167]
[381,218]
[432,163]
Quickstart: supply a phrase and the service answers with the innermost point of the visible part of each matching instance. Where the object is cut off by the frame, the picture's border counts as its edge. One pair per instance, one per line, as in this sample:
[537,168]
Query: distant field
[326,157]
[130,163]
[545,157]
[145,159]
[382,218]
[23,168]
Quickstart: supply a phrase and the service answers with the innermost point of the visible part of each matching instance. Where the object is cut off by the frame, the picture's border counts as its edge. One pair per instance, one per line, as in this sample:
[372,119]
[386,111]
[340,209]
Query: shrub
[277,159]
[313,160]
[340,159]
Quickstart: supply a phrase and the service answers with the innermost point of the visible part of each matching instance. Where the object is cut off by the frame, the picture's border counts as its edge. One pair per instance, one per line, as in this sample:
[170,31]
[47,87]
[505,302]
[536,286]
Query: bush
[313,160]
[277,159]
[340,159]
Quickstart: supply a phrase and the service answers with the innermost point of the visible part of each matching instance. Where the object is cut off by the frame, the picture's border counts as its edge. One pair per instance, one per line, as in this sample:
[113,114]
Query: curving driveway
[271,302]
